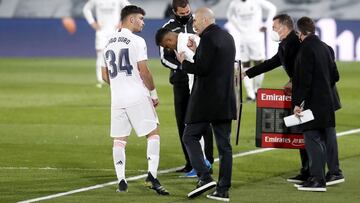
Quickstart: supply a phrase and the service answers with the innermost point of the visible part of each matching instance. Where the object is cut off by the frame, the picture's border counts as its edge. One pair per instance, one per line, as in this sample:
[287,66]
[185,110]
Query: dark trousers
[222,131]
[181,99]
[332,155]
[315,145]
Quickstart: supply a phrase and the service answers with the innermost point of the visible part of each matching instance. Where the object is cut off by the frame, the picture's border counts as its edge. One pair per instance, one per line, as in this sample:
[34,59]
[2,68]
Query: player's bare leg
[119,158]
[258,79]
[248,83]
[153,156]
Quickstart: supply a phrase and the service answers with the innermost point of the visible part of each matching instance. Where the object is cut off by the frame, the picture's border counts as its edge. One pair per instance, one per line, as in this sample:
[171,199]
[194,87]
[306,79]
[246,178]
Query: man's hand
[288,88]
[95,26]
[243,75]
[180,56]
[154,97]
[155,102]
[191,44]
[297,111]
[263,29]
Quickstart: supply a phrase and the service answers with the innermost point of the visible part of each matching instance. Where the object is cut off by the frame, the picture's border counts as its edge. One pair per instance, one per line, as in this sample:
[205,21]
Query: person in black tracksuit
[182,22]
[286,55]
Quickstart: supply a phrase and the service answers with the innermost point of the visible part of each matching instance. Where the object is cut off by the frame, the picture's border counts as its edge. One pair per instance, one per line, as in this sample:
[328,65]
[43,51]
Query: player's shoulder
[171,23]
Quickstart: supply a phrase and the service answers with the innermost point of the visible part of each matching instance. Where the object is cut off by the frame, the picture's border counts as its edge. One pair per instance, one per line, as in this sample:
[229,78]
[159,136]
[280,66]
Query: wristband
[153,94]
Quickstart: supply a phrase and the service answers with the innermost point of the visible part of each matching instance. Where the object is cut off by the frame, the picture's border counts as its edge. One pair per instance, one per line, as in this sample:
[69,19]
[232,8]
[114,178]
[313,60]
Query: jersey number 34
[123,65]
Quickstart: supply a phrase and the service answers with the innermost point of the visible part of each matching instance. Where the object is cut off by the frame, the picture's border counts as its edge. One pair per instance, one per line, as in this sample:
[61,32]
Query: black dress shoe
[221,196]
[314,185]
[298,179]
[333,179]
[201,187]
[186,169]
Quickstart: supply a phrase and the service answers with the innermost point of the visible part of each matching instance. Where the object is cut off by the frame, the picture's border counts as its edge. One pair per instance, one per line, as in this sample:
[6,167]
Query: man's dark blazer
[314,80]
[285,56]
[212,97]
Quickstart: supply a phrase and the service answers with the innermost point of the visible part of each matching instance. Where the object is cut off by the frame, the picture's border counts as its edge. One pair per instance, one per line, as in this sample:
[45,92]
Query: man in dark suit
[283,31]
[314,81]
[182,22]
[212,101]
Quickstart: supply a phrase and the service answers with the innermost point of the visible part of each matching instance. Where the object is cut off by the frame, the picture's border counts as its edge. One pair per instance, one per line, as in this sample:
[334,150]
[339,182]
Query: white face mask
[275,36]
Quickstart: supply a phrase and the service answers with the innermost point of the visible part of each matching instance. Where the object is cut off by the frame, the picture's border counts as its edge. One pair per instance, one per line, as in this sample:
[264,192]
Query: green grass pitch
[54,137]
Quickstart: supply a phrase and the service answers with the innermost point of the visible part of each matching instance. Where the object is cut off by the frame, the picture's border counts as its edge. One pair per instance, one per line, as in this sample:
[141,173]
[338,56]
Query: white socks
[249,85]
[119,158]
[153,154]
[99,57]
[258,81]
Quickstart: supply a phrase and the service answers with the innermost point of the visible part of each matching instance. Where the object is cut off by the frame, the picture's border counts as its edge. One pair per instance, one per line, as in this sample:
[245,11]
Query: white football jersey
[107,12]
[121,55]
[247,16]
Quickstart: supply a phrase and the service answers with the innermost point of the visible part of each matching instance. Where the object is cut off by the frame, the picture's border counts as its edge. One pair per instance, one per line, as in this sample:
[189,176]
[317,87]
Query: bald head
[203,18]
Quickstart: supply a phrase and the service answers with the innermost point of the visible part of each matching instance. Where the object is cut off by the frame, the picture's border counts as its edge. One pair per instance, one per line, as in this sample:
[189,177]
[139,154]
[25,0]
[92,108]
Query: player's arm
[147,79]
[122,4]
[231,16]
[105,75]
[271,11]
[105,71]
[87,11]
[168,59]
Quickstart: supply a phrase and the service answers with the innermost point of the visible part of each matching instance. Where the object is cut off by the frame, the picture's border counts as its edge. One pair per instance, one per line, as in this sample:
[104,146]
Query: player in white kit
[133,95]
[247,27]
[105,21]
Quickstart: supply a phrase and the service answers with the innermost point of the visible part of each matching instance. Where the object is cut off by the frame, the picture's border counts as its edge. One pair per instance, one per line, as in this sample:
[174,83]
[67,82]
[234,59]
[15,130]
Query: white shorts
[252,49]
[142,117]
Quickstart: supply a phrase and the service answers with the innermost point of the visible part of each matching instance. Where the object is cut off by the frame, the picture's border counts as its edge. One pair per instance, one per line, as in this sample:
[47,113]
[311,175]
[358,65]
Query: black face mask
[183,19]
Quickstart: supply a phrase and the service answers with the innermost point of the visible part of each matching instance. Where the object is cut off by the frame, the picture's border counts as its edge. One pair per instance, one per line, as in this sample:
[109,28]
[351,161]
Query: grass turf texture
[52,115]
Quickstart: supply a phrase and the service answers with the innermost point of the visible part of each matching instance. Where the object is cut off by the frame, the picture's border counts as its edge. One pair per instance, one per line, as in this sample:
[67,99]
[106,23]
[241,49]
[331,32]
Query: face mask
[183,19]
[275,36]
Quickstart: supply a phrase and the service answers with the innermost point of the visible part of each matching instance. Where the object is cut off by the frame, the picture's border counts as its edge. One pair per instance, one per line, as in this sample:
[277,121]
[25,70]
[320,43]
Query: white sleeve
[124,3]
[231,16]
[142,52]
[87,11]
[271,10]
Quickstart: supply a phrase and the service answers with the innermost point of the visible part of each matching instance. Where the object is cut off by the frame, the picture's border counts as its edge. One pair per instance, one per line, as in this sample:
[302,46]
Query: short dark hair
[285,19]
[179,3]
[131,9]
[306,25]
[160,34]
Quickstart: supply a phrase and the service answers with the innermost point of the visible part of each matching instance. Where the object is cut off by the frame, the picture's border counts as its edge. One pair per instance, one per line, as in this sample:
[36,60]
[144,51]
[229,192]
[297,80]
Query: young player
[107,13]
[133,95]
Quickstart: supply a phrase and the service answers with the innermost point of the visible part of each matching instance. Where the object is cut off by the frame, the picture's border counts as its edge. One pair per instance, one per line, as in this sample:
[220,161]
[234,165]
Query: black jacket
[285,56]
[213,96]
[314,81]
[168,58]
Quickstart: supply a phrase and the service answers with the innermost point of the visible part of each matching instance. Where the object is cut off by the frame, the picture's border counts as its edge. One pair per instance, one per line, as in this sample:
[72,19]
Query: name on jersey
[119,39]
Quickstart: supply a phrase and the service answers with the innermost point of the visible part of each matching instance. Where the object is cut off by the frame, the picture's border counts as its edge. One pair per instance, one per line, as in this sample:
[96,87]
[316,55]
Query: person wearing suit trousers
[314,79]
[283,31]
[212,101]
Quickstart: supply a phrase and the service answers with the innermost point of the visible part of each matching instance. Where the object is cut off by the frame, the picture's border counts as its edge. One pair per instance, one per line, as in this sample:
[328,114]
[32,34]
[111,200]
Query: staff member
[314,79]
[283,31]
[183,23]
[212,101]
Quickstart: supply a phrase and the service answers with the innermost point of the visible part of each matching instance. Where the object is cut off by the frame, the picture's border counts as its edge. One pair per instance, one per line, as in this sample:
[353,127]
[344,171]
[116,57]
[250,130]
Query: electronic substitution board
[272,105]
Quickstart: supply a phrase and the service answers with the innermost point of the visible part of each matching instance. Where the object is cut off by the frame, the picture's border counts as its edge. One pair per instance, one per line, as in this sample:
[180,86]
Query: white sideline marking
[257,151]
